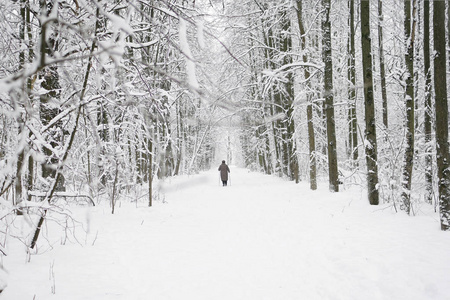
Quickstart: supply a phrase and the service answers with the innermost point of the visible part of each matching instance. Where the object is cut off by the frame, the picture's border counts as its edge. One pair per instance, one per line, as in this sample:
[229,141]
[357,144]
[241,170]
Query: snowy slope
[260,238]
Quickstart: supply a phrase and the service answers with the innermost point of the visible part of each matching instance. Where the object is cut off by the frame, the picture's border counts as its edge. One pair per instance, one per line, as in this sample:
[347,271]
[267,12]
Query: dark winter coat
[224,170]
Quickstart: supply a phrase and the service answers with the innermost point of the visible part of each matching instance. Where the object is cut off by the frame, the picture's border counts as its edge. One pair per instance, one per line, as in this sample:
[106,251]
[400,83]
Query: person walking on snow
[224,170]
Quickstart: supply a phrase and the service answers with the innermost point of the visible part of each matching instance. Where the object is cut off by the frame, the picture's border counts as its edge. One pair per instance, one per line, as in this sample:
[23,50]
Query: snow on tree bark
[189,59]
[408,162]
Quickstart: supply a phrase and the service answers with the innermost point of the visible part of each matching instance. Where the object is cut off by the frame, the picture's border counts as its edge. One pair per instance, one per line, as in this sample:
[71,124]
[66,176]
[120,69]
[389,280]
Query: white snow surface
[260,238]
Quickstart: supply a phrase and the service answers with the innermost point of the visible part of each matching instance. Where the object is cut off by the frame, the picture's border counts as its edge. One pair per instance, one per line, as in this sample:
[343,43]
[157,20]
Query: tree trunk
[20,121]
[428,108]
[329,105]
[382,64]
[309,111]
[274,107]
[441,103]
[288,103]
[18,180]
[29,87]
[30,175]
[409,103]
[312,149]
[352,120]
[150,169]
[58,175]
[50,83]
[370,135]
[448,28]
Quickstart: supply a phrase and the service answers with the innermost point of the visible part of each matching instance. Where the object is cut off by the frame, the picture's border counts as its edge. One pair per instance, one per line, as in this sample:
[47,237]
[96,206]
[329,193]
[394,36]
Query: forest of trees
[104,98]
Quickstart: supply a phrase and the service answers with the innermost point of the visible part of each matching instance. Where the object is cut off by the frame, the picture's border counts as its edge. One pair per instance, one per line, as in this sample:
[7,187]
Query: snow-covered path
[260,238]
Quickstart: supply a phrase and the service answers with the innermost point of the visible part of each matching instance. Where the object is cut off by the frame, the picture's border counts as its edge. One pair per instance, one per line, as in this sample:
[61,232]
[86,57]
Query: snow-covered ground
[260,238]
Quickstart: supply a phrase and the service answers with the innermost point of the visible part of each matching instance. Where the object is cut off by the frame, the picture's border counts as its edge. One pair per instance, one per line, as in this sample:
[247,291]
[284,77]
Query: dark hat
[223,161]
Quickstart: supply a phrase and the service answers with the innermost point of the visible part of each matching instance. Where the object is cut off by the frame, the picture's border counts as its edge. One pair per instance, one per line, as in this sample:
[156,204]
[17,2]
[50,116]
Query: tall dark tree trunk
[448,29]
[312,148]
[288,102]
[150,123]
[274,101]
[58,175]
[441,103]
[352,120]
[48,111]
[103,133]
[30,176]
[30,47]
[410,10]
[20,163]
[20,121]
[179,129]
[149,164]
[370,133]
[267,154]
[382,64]
[329,98]
[309,111]
[427,105]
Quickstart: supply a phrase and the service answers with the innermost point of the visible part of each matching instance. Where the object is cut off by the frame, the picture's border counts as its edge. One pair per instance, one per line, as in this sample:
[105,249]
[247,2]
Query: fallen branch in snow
[61,194]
